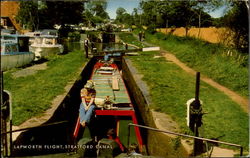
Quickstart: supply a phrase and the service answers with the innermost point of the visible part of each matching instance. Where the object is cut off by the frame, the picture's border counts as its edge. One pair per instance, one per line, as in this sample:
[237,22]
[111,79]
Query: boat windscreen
[23,44]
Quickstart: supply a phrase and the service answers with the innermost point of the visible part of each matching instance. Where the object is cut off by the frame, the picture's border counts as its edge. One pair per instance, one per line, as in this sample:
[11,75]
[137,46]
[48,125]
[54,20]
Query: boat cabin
[9,48]
[21,40]
[46,40]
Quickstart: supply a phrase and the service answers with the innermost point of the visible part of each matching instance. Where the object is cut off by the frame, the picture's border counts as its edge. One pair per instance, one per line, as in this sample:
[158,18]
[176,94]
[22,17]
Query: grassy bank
[211,60]
[33,94]
[171,87]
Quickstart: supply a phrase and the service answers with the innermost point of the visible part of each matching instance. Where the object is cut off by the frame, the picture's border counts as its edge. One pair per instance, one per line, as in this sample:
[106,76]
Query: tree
[120,15]
[136,17]
[34,15]
[95,12]
[27,15]
[64,12]
[237,21]
[120,11]
[123,17]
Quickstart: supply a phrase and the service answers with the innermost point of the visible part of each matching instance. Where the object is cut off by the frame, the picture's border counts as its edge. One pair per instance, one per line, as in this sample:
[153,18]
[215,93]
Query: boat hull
[45,51]
[16,60]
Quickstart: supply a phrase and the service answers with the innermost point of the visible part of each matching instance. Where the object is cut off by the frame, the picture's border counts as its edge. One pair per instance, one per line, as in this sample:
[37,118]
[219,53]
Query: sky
[129,5]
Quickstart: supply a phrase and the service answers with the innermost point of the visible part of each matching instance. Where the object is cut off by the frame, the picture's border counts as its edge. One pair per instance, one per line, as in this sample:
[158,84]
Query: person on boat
[87,106]
[111,134]
[107,60]
[106,57]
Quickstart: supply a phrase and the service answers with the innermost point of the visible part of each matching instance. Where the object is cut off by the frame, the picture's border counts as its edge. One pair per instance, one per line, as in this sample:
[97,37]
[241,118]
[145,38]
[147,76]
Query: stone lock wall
[157,144]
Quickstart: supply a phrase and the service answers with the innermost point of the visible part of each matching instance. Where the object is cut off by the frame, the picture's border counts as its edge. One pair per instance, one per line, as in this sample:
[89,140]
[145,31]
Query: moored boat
[32,36]
[46,45]
[114,111]
[12,56]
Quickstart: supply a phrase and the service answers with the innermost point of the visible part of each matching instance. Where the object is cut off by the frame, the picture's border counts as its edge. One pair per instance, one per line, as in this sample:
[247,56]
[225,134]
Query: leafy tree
[178,13]
[136,17]
[64,12]
[39,15]
[120,11]
[123,17]
[95,12]
[88,18]
[27,15]
[237,21]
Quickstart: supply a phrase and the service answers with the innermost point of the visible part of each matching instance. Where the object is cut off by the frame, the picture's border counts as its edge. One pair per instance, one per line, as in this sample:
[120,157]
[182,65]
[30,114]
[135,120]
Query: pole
[197,143]
[197,86]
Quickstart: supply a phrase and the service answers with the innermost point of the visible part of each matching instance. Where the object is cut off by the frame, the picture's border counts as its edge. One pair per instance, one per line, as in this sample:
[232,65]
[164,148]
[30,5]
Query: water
[73,46]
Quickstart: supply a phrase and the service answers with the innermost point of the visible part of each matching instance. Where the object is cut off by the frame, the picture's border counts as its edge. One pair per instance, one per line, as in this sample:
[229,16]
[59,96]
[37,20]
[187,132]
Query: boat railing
[183,135]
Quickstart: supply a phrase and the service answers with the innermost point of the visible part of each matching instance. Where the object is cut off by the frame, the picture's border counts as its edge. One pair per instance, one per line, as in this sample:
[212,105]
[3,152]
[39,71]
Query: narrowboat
[114,111]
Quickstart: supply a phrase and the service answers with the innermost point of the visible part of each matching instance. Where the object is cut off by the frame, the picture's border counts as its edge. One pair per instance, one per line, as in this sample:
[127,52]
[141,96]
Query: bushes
[74,36]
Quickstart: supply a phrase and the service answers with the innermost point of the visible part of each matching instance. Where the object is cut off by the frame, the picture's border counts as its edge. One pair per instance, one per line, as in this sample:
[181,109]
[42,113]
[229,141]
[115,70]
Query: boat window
[7,49]
[48,41]
[38,40]
[23,44]
[14,48]
[8,38]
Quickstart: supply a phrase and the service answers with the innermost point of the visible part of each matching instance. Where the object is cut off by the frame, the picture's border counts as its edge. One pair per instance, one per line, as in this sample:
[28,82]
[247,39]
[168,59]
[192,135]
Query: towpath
[243,102]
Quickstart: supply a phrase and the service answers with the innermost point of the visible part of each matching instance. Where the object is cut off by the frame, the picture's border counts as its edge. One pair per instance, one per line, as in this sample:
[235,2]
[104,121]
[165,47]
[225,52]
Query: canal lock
[56,138]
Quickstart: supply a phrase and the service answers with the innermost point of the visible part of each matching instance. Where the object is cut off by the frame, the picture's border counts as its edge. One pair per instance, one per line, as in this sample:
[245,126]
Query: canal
[57,138]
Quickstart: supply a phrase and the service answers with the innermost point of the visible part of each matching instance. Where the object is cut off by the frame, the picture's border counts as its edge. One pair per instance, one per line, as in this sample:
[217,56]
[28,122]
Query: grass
[128,37]
[171,87]
[33,94]
[209,59]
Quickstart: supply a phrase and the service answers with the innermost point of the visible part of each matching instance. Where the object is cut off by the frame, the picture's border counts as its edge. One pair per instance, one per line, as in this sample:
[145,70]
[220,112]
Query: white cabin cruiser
[46,45]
